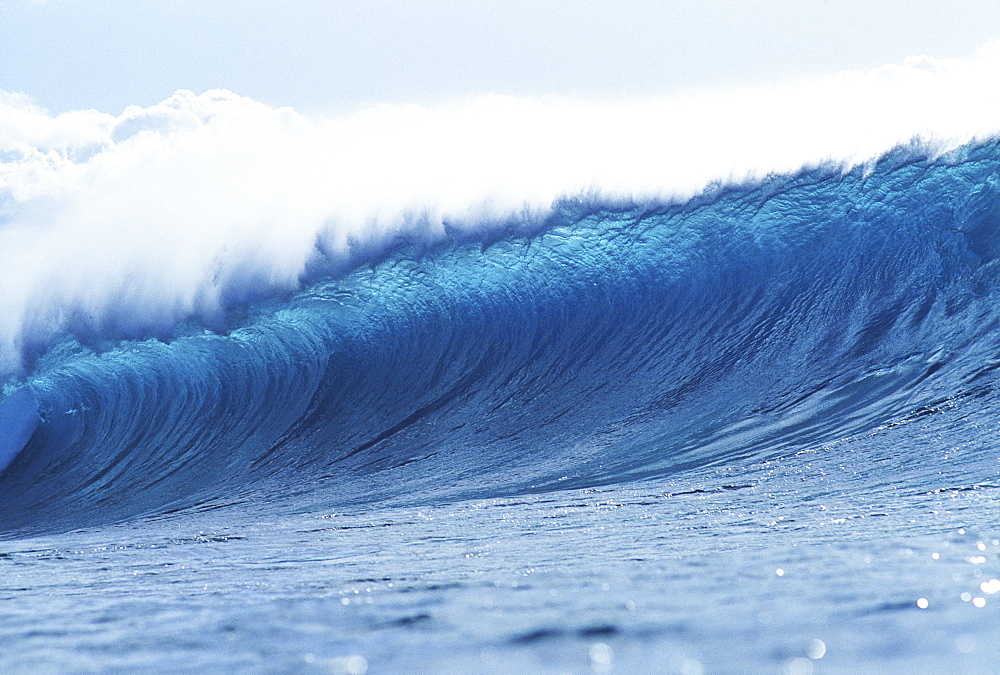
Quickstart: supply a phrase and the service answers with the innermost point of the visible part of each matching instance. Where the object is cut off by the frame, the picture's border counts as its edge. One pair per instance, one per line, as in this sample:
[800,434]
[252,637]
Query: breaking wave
[211,301]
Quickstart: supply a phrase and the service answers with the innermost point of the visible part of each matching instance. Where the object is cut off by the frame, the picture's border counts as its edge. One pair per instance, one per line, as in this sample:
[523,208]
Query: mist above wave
[126,224]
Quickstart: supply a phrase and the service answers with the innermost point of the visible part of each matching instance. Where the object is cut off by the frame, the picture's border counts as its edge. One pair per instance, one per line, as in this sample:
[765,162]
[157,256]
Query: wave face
[606,341]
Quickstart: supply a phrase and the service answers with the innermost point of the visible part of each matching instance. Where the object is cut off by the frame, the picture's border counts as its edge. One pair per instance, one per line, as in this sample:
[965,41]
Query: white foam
[138,220]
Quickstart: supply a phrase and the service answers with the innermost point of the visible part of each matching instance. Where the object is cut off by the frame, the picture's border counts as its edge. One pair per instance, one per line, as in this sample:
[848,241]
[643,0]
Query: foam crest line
[123,225]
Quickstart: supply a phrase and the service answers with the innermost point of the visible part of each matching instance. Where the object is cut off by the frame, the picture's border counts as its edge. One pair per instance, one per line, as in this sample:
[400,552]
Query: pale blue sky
[332,55]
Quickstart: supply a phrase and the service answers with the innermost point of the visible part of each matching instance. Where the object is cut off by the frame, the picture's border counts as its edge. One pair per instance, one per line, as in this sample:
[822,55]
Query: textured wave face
[610,344]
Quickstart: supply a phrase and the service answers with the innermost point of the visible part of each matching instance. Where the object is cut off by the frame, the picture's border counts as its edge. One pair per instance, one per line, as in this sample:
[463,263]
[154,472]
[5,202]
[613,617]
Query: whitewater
[705,383]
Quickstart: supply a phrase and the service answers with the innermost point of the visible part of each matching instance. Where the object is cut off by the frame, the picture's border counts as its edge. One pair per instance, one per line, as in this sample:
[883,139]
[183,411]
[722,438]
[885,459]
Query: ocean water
[746,425]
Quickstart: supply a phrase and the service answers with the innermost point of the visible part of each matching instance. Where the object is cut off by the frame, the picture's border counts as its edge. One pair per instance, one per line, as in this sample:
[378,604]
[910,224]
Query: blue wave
[606,343]
[18,420]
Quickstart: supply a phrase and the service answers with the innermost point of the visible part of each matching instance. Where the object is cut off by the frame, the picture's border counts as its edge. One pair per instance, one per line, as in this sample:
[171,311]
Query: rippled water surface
[847,558]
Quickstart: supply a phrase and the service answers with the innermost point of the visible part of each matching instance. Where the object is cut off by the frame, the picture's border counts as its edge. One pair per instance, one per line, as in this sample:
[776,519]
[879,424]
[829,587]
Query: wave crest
[123,225]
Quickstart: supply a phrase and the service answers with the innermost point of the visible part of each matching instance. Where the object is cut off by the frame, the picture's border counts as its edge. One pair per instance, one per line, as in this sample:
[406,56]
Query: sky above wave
[331,56]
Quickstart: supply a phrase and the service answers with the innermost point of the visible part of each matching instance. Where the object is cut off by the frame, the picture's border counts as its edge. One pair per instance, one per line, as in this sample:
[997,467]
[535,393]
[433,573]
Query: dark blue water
[755,432]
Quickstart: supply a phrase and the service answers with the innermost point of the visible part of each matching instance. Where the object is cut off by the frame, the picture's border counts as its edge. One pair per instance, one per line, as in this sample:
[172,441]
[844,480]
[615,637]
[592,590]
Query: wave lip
[121,226]
[18,421]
